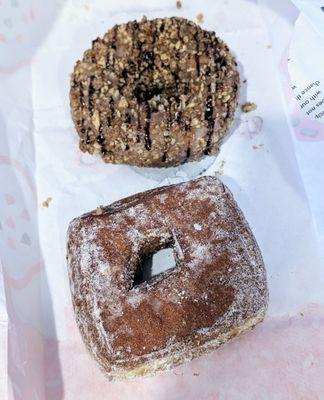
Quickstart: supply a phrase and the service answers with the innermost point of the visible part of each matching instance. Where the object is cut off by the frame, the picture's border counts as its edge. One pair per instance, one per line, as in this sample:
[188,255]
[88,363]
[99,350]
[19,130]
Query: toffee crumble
[154,93]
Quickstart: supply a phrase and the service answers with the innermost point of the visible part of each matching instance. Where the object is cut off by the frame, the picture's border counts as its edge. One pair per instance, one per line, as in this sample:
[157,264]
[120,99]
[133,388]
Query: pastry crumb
[46,202]
[269,46]
[257,146]
[200,18]
[99,210]
[244,81]
[220,169]
[196,374]
[248,106]
[181,374]
[178,4]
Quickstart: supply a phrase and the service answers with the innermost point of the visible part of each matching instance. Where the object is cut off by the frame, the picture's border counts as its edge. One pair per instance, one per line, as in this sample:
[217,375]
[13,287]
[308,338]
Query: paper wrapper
[264,163]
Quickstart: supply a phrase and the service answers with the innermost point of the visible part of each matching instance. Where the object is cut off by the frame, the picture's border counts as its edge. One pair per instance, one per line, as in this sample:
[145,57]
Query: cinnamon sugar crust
[154,93]
[217,290]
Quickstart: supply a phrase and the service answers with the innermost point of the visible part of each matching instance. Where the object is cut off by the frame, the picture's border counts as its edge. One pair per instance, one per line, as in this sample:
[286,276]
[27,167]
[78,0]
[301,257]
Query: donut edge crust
[184,357]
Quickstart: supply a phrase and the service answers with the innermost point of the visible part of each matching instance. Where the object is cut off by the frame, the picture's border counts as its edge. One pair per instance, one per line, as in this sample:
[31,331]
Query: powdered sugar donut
[216,291]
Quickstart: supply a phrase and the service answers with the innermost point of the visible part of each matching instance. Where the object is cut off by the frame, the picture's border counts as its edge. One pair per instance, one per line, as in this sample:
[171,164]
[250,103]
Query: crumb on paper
[220,169]
[244,81]
[99,210]
[178,4]
[301,314]
[46,202]
[196,374]
[248,106]
[257,146]
[269,46]
[181,374]
[200,18]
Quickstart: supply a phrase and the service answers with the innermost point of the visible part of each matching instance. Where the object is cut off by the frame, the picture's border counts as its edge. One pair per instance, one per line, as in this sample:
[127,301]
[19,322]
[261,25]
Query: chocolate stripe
[91,91]
[147,133]
[112,109]
[209,110]
[82,102]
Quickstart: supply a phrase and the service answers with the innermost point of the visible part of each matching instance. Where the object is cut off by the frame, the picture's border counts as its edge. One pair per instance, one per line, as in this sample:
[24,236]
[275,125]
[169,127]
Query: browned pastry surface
[154,93]
[216,291]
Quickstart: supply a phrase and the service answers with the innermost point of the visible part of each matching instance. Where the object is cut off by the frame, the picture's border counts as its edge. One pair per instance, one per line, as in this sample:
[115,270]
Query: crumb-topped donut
[154,93]
[216,291]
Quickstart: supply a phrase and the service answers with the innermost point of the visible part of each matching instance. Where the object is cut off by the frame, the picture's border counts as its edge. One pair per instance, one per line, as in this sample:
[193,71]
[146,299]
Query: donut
[154,93]
[216,291]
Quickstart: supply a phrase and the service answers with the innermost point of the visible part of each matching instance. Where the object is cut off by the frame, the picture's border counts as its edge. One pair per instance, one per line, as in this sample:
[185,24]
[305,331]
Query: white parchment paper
[39,158]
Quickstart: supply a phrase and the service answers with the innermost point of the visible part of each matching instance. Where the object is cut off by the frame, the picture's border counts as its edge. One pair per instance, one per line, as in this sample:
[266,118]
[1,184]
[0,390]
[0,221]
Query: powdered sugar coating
[217,289]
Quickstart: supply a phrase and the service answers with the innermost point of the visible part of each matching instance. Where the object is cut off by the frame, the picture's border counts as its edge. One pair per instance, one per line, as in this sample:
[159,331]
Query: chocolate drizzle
[114,38]
[210,121]
[147,133]
[111,109]
[209,110]
[100,139]
[178,116]
[91,93]
[111,50]
[82,102]
[128,118]
[162,27]
[137,45]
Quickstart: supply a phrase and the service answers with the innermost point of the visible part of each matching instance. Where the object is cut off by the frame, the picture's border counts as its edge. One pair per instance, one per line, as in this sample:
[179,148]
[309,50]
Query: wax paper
[272,167]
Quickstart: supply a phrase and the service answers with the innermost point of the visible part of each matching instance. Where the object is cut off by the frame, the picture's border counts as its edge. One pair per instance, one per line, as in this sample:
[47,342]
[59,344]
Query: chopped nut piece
[220,169]
[96,119]
[195,123]
[200,18]
[178,4]
[248,106]
[102,62]
[46,202]
[123,103]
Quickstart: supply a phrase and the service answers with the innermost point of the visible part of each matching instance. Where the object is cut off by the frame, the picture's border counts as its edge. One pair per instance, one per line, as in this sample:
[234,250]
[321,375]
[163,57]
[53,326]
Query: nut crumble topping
[154,93]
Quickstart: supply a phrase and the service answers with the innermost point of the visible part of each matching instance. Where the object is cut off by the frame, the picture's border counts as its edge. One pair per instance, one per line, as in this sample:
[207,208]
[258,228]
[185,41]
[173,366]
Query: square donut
[216,291]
